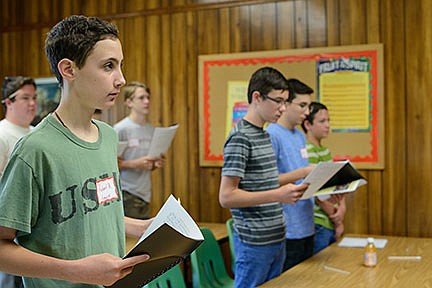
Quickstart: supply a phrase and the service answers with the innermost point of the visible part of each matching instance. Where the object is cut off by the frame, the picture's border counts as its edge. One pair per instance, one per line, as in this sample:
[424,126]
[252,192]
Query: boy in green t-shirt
[61,212]
[328,212]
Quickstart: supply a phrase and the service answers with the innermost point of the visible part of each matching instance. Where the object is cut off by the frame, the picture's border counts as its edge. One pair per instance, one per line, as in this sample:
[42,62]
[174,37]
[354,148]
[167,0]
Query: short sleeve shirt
[248,154]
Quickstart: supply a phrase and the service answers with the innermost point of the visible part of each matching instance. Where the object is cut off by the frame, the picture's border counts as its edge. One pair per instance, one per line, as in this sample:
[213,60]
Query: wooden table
[387,273]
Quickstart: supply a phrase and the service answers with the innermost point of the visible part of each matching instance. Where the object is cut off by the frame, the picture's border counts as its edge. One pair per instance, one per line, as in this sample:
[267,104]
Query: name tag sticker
[106,190]
[304,153]
[134,142]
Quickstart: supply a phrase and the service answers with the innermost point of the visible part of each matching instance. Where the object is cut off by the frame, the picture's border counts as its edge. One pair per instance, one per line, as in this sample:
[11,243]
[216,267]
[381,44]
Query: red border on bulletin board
[373,160]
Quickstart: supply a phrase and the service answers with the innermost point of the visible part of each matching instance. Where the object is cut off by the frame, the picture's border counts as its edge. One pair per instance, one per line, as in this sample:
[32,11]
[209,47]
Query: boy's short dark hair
[295,87]
[13,84]
[74,38]
[264,80]
[314,108]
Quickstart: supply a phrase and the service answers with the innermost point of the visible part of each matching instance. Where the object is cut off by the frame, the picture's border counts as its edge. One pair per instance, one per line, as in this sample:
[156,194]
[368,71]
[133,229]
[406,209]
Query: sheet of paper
[361,242]
[177,217]
[161,140]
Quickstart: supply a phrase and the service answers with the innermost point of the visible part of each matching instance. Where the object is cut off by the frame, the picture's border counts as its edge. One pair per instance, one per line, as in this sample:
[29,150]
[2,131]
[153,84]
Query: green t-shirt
[318,154]
[63,197]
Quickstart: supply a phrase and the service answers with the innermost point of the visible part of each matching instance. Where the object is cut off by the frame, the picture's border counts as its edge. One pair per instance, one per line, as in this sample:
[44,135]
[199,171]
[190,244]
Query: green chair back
[172,278]
[229,226]
[208,267]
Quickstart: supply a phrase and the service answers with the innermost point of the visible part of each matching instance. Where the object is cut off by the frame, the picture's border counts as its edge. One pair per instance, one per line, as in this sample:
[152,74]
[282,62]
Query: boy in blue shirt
[289,145]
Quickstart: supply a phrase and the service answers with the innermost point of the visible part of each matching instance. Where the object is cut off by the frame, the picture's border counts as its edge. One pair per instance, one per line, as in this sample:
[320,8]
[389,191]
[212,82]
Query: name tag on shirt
[134,142]
[106,190]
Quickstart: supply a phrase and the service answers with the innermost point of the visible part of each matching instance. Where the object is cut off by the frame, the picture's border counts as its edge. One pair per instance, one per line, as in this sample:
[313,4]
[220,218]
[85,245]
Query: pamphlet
[170,238]
[331,178]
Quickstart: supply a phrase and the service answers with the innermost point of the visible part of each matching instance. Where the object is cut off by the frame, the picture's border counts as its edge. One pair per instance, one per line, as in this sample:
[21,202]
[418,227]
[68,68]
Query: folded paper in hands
[170,238]
[331,178]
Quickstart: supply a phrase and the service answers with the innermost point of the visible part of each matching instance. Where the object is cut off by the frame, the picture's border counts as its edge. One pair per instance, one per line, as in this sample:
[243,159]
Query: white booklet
[161,140]
[331,178]
[170,238]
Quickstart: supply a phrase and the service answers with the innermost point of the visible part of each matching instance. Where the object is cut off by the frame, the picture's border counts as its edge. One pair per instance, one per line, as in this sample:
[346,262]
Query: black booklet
[171,237]
[333,177]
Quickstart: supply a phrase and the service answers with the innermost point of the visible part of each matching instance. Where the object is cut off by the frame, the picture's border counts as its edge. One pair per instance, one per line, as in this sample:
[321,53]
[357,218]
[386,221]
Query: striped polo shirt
[248,154]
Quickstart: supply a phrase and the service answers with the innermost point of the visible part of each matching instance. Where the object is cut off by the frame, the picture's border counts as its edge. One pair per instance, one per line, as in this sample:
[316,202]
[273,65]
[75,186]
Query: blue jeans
[256,264]
[323,238]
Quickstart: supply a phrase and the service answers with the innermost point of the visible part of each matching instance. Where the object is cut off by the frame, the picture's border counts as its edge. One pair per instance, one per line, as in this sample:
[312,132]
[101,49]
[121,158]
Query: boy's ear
[307,124]
[128,103]
[256,96]
[66,68]
[7,102]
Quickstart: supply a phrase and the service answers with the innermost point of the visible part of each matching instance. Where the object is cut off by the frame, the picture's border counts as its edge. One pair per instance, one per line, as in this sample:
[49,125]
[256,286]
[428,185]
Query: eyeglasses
[23,97]
[278,101]
[26,97]
[16,83]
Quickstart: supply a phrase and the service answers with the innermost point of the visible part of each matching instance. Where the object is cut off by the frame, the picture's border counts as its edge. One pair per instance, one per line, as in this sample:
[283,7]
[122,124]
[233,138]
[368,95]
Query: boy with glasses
[289,145]
[19,103]
[60,191]
[250,184]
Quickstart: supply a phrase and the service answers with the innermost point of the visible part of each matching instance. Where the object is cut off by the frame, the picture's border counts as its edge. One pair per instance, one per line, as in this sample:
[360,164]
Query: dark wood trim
[149,12]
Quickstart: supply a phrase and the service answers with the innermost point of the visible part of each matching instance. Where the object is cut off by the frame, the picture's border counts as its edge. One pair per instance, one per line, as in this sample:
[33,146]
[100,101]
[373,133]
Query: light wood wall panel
[396,173]
[418,101]
[161,43]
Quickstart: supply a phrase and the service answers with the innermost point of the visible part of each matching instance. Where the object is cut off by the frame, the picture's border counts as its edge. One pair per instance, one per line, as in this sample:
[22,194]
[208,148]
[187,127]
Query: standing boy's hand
[292,193]
[102,269]
[160,162]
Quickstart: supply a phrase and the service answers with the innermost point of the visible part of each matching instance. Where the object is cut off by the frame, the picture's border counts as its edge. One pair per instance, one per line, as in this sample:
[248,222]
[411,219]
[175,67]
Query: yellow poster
[346,95]
[237,103]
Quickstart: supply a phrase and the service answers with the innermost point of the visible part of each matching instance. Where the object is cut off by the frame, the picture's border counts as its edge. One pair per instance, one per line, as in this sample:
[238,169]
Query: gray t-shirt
[138,138]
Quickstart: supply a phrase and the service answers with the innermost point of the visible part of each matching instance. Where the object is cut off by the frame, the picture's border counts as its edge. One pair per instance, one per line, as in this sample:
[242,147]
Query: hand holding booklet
[170,238]
[331,178]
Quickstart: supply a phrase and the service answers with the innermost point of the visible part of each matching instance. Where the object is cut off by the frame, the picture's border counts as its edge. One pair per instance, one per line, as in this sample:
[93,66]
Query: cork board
[348,79]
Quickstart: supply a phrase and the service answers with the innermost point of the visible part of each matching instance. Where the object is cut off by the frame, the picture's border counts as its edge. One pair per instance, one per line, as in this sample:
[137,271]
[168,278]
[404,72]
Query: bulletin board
[347,79]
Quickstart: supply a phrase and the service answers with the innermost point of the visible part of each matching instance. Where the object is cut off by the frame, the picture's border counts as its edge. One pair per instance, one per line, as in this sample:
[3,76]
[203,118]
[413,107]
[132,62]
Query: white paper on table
[361,242]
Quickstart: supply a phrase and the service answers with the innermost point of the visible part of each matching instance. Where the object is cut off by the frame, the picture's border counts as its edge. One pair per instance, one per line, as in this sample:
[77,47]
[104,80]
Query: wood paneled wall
[162,40]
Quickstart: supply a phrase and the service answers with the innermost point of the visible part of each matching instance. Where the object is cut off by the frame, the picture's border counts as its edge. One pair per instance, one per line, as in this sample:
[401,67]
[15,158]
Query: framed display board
[347,79]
